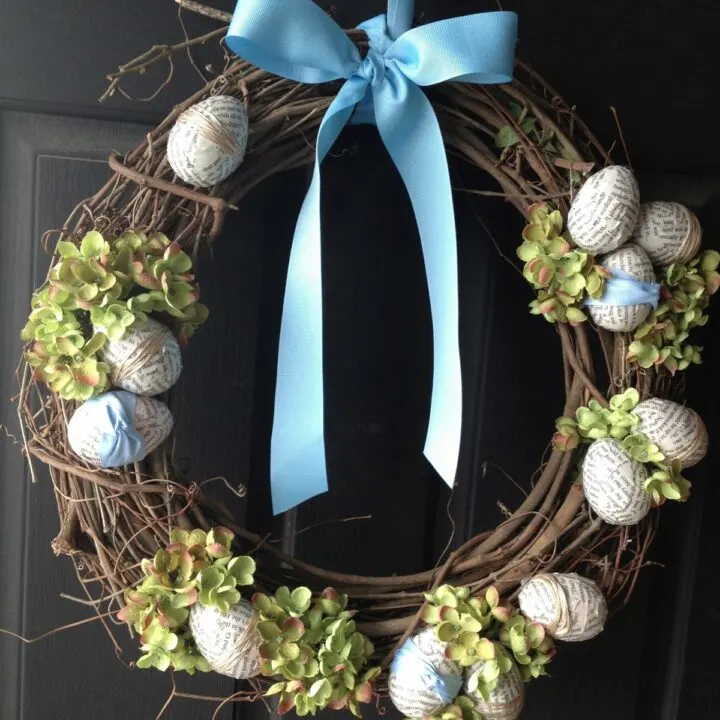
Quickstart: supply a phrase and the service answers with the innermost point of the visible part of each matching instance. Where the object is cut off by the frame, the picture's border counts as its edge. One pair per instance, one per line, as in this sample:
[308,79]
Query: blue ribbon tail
[297,451]
[411,133]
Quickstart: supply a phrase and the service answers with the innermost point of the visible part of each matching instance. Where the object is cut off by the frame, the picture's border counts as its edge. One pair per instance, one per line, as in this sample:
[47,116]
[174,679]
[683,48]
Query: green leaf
[93,245]
[506,137]
[96,343]
[492,597]
[67,249]
[301,598]
[269,630]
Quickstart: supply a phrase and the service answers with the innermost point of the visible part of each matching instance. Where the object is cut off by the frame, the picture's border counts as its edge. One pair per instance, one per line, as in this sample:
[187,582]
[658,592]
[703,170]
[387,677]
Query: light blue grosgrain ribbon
[113,413]
[297,40]
[411,663]
[623,289]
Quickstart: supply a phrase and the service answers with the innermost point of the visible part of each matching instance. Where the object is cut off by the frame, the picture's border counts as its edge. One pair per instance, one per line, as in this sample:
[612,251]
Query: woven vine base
[128,512]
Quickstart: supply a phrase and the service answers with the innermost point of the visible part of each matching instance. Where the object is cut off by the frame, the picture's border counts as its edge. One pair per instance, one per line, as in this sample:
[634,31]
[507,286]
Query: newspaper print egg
[146,360]
[208,141]
[678,431]
[614,483]
[632,260]
[408,691]
[570,607]
[93,437]
[505,701]
[229,641]
[605,210]
[668,232]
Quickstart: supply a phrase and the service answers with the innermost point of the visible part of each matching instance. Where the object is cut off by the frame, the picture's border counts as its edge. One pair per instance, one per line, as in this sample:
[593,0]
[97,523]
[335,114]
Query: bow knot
[372,67]
[297,40]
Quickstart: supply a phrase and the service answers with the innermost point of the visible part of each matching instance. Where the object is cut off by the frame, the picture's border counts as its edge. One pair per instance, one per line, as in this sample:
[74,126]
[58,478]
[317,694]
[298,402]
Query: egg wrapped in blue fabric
[118,428]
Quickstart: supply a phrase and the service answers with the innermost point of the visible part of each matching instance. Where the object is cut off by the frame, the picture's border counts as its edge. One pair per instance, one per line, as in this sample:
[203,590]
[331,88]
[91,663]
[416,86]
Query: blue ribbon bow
[623,289]
[297,40]
[412,663]
[114,414]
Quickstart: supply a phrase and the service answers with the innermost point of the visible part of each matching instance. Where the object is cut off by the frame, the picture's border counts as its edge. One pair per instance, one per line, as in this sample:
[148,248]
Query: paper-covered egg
[605,210]
[610,312]
[668,232]
[569,606]
[422,679]
[505,702]
[118,428]
[146,360]
[229,641]
[207,143]
[614,483]
[677,430]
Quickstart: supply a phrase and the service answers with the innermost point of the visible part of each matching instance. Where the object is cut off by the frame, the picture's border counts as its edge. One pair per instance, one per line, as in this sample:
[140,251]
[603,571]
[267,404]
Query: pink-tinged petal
[171,250]
[123,614]
[295,686]
[448,613]
[364,692]
[88,379]
[544,275]
[294,624]
[286,705]
[338,704]
[217,549]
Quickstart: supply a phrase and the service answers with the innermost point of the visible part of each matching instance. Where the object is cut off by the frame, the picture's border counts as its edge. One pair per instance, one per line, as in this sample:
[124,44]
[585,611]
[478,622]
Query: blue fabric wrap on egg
[114,414]
[622,289]
[410,661]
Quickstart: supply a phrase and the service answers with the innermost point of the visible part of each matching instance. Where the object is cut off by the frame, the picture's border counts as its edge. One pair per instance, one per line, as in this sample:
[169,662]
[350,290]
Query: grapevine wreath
[615,279]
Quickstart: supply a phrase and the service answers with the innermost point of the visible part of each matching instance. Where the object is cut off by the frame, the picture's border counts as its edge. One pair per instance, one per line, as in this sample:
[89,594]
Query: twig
[55,631]
[205,10]
[156,53]
[614,112]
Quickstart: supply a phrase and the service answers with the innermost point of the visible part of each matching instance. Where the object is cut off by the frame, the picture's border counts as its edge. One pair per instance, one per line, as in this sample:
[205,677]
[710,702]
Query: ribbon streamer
[623,289]
[298,41]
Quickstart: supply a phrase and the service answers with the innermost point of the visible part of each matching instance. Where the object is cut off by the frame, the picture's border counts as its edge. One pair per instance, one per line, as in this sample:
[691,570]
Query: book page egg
[569,606]
[505,702]
[605,210]
[633,261]
[668,232]
[207,143]
[678,431]
[229,641]
[118,428]
[614,483]
[146,360]
[407,686]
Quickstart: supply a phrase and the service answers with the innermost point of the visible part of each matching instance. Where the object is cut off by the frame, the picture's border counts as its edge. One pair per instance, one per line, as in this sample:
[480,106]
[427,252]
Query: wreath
[621,284]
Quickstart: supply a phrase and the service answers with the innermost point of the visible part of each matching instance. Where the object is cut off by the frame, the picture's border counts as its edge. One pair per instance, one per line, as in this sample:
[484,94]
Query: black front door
[655,62]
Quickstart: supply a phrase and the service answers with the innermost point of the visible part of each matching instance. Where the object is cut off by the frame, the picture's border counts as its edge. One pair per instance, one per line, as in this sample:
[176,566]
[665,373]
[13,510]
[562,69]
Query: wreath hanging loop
[621,283]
